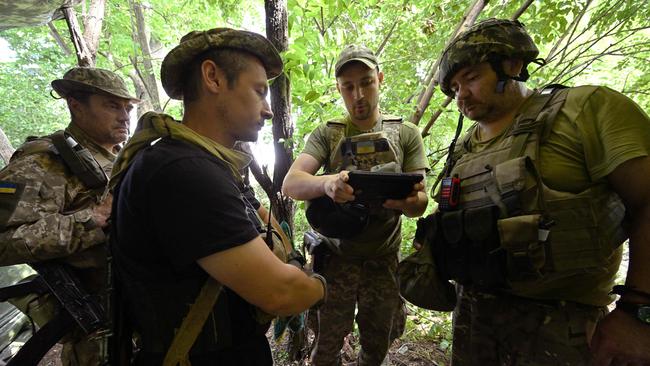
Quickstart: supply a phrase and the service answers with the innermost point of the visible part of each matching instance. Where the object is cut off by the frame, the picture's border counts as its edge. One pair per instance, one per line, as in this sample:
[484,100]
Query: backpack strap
[179,351]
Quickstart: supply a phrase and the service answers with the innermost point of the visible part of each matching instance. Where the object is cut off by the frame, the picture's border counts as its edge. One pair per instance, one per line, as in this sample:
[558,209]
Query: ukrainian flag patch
[8,187]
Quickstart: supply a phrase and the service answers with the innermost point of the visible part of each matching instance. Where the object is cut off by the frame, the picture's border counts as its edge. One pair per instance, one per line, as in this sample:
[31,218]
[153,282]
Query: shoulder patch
[10,194]
[8,187]
[391,118]
[335,123]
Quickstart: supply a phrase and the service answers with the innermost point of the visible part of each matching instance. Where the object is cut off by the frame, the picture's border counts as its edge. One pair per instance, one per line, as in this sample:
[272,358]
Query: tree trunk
[93,26]
[86,45]
[277,32]
[6,150]
[84,57]
[148,76]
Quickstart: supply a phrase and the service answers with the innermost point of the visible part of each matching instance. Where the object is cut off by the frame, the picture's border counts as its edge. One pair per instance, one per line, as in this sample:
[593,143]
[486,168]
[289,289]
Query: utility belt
[475,247]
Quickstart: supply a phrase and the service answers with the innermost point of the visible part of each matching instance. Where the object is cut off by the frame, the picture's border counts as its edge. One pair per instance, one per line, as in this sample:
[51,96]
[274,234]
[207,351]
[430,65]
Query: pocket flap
[452,226]
[482,222]
[511,175]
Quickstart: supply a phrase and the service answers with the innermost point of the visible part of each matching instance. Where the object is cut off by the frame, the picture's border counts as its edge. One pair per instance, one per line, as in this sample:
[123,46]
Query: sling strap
[38,344]
[178,352]
[79,160]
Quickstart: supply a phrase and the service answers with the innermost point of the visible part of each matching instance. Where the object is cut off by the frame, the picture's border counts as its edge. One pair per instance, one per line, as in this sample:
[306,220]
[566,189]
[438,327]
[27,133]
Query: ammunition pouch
[475,247]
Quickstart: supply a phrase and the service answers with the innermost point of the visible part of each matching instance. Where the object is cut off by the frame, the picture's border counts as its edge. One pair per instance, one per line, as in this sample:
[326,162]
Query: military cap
[356,53]
[488,38]
[92,80]
[172,71]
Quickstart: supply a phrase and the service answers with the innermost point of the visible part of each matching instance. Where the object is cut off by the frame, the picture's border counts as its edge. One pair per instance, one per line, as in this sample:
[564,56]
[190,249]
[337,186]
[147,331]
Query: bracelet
[624,289]
[324,283]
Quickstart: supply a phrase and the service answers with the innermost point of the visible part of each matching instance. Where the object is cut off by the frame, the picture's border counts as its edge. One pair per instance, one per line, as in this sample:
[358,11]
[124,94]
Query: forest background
[604,42]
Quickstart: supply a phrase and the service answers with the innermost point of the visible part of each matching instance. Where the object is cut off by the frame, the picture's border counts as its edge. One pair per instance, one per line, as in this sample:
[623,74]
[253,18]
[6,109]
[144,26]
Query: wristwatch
[639,311]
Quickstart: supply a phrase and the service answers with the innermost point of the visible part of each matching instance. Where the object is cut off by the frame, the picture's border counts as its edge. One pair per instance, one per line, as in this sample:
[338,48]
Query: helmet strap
[502,77]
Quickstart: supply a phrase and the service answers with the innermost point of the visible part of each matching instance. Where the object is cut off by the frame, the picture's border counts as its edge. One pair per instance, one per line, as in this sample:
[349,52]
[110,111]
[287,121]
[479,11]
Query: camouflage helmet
[173,70]
[336,220]
[92,80]
[482,42]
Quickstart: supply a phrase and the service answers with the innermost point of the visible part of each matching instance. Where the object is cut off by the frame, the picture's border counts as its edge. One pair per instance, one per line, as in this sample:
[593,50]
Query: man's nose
[462,92]
[358,93]
[124,114]
[267,113]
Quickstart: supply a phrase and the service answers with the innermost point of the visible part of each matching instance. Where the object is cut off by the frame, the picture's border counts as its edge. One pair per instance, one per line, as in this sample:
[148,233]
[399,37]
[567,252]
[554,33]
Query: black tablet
[378,187]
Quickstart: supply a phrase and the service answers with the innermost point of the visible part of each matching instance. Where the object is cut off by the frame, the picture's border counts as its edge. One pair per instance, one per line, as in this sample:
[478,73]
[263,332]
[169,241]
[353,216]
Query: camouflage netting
[26,13]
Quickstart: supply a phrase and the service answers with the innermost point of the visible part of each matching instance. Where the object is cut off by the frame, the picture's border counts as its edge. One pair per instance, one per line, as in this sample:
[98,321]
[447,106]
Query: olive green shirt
[383,233]
[595,131]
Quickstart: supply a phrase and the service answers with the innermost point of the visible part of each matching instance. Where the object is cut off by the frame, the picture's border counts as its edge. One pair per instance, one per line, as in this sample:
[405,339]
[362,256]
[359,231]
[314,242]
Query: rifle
[77,307]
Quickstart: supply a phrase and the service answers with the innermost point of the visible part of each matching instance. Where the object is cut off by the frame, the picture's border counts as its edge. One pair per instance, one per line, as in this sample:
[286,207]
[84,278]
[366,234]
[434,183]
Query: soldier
[56,208]
[362,272]
[547,178]
[194,271]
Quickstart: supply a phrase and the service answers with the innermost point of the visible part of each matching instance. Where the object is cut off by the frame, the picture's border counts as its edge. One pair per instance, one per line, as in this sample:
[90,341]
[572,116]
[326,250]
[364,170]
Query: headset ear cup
[335,220]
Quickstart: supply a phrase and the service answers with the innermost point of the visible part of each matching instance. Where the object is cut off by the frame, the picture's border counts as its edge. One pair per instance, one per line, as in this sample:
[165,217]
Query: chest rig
[378,150]
[507,228]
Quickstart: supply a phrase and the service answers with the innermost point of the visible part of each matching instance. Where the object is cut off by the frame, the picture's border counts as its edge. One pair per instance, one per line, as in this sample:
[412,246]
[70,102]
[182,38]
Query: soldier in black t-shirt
[181,220]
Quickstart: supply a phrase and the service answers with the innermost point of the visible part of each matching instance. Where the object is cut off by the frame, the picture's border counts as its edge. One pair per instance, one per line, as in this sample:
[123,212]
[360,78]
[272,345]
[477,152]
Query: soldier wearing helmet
[533,236]
[52,209]
[361,268]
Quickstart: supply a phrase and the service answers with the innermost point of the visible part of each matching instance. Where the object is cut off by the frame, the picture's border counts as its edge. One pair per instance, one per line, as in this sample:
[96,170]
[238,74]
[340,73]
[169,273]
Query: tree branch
[468,19]
[522,9]
[386,38]
[57,37]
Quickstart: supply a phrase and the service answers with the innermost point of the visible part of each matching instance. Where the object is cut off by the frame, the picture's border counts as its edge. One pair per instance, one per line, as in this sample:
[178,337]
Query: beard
[361,111]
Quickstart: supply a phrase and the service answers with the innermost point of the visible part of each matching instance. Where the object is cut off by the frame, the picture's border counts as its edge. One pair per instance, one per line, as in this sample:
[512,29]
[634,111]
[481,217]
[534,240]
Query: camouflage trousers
[498,329]
[371,286]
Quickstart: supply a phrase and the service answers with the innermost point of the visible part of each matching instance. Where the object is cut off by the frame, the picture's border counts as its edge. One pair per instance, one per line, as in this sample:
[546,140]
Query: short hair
[229,60]
[81,96]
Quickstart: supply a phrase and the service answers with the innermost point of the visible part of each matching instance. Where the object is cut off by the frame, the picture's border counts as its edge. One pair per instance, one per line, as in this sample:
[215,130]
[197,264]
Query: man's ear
[380,76]
[513,66]
[338,87]
[212,77]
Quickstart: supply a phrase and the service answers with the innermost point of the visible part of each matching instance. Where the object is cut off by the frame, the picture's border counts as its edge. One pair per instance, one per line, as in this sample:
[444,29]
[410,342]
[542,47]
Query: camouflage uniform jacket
[53,217]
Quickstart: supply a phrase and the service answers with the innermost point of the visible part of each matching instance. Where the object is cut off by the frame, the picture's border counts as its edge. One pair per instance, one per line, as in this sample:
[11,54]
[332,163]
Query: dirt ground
[401,353]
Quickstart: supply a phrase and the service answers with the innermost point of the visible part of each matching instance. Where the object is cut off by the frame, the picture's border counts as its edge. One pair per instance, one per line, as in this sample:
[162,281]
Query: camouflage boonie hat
[173,72]
[92,80]
[489,38]
[356,53]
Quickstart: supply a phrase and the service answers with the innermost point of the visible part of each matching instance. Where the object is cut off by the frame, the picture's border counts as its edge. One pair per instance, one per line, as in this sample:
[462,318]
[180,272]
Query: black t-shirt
[176,204]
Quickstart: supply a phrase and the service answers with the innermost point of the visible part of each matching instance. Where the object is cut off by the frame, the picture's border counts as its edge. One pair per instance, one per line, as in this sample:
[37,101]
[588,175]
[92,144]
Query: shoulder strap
[538,114]
[179,351]
[79,160]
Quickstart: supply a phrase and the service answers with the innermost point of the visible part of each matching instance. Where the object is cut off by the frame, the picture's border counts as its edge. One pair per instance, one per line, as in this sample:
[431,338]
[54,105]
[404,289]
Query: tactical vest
[366,151]
[512,231]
